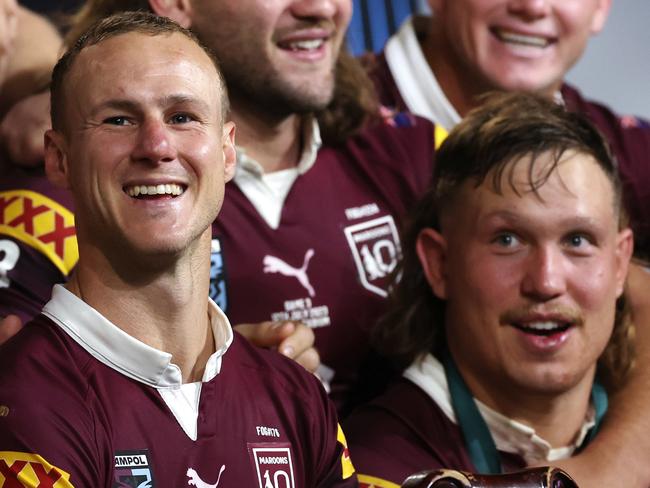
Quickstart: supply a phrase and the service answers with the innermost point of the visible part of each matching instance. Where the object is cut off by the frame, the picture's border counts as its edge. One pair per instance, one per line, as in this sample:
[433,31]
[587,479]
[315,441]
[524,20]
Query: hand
[8,28]
[8,327]
[292,339]
[23,127]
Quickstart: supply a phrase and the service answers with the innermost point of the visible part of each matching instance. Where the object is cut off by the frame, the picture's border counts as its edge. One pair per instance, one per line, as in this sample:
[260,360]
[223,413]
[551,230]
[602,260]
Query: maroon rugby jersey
[38,244]
[629,138]
[404,431]
[262,422]
[328,262]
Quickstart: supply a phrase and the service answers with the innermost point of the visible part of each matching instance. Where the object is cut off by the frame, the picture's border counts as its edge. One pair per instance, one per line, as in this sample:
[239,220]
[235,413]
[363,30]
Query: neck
[275,143]
[557,417]
[164,307]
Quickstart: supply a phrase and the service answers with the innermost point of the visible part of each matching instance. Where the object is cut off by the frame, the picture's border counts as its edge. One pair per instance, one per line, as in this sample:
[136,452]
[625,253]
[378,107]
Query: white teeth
[522,39]
[543,325]
[306,45]
[166,189]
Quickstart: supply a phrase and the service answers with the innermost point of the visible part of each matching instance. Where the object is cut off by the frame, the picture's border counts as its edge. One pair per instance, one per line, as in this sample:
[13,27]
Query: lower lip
[544,344]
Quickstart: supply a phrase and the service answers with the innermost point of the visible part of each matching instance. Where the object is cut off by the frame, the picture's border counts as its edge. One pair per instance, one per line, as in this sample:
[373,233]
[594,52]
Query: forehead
[129,63]
[576,188]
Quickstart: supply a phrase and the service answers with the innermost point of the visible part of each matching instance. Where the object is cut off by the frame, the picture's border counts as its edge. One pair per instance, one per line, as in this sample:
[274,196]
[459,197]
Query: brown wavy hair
[483,147]
[353,106]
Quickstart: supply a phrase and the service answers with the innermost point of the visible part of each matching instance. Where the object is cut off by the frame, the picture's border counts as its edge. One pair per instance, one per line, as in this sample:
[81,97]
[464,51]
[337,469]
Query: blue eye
[119,120]
[506,240]
[181,118]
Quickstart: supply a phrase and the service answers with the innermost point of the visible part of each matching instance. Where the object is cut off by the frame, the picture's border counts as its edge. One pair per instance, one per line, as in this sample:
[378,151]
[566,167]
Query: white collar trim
[509,435]
[268,191]
[414,78]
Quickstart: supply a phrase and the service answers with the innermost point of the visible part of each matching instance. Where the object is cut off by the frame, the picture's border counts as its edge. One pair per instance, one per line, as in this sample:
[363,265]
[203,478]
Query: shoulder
[46,421]
[273,374]
[624,132]
[401,432]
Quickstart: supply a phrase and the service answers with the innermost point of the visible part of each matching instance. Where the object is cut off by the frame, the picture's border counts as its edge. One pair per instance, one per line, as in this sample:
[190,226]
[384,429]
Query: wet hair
[505,131]
[113,26]
[354,104]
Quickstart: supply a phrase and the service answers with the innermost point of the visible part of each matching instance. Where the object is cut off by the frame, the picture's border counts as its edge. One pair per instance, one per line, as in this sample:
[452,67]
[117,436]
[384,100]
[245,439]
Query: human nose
[545,274]
[529,9]
[154,143]
[316,9]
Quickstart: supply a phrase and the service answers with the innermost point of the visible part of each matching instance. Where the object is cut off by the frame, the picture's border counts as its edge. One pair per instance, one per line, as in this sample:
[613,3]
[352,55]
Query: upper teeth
[543,325]
[523,39]
[307,44]
[168,189]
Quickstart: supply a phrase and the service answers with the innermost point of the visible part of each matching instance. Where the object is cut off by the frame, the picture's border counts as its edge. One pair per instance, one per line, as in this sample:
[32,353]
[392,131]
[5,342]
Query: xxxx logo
[41,223]
[24,470]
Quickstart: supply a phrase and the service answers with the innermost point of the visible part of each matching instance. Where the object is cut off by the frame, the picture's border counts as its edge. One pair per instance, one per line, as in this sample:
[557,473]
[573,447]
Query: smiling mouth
[153,191]
[546,328]
[510,37]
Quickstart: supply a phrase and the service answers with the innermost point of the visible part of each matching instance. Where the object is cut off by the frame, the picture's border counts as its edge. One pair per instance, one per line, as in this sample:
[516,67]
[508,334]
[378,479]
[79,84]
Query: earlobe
[229,151]
[431,248]
[179,11]
[56,160]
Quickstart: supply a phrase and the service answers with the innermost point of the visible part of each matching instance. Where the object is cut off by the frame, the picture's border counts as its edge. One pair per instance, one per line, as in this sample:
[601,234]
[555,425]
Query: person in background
[508,318]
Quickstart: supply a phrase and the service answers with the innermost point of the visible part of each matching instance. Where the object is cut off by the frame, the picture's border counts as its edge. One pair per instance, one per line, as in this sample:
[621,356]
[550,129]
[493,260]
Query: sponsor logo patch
[218,275]
[273,464]
[21,469]
[41,223]
[133,469]
[375,248]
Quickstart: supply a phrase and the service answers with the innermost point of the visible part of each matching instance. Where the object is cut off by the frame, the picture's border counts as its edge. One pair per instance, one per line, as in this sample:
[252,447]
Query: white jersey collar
[509,435]
[125,354]
[413,76]
[268,191]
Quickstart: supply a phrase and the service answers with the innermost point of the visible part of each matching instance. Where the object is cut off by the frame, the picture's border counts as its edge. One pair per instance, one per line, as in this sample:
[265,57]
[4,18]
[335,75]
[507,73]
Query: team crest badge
[375,248]
[273,464]
[218,275]
[133,470]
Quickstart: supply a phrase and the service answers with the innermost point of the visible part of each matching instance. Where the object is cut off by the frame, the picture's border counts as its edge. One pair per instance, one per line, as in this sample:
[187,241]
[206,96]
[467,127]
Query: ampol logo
[273,464]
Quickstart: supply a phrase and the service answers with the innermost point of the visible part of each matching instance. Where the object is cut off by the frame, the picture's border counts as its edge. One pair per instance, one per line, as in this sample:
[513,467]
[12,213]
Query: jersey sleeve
[38,245]
[47,427]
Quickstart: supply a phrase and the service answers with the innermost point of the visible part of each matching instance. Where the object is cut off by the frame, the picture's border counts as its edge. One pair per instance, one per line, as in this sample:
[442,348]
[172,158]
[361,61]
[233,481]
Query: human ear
[431,248]
[229,152]
[180,11]
[624,248]
[600,15]
[56,159]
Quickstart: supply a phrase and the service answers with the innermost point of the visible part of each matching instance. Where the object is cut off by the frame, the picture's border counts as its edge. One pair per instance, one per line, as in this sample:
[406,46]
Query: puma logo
[276,265]
[198,482]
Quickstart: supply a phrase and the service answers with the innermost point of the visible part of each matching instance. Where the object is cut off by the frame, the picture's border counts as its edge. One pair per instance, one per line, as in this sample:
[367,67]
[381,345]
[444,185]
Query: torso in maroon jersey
[329,261]
[37,241]
[261,420]
[404,431]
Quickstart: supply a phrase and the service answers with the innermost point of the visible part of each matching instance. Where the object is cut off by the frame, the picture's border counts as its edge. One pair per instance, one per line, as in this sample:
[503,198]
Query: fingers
[292,339]
[9,326]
